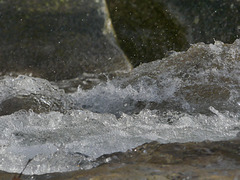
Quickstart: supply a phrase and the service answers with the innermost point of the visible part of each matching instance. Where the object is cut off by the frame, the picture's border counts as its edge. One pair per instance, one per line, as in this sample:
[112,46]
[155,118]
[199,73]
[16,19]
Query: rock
[58,40]
[207,20]
[148,30]
[203,160]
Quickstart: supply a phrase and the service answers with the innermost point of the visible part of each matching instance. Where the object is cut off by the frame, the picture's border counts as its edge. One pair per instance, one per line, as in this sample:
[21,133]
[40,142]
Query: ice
[58,142]
[216,47]
[24,85]
[188,96]
[24,92]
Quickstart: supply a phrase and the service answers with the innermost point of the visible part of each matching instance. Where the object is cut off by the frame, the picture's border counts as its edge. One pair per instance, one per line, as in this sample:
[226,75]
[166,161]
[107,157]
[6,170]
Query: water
[188,96]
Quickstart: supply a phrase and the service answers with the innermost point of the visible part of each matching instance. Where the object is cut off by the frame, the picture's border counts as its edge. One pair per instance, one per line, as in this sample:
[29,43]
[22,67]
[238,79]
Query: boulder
[149,30]
[58,40]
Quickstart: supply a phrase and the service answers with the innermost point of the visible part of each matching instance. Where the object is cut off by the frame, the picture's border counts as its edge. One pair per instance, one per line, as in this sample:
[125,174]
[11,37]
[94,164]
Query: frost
[216,47]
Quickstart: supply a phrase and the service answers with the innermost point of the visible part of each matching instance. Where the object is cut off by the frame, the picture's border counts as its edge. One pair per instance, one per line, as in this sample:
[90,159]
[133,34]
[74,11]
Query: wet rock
[203,160]
[58,40]
[146,30]
[207,20]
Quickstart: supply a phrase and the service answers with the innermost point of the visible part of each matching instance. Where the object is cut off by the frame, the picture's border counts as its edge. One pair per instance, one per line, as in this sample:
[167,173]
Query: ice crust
[191,81]
[189,96]
[43,93]
[58,142]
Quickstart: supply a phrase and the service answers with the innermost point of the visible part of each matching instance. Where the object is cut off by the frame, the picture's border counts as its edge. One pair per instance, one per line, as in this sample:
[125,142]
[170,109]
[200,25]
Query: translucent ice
[188,96]
[25,92]
[58,142]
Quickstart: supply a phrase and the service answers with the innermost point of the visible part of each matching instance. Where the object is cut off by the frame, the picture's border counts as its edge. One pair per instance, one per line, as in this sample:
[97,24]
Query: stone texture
[147,30]
[57,39]
[207,20]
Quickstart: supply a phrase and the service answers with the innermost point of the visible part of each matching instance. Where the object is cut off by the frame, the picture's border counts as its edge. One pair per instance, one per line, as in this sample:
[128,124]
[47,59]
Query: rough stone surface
[147,30]
[207,20]
[57,40]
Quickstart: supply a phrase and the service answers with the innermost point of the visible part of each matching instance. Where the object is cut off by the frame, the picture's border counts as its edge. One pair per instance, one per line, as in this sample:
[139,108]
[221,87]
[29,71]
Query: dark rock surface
[147,30]
[207,20]
[203,160]
[57,40]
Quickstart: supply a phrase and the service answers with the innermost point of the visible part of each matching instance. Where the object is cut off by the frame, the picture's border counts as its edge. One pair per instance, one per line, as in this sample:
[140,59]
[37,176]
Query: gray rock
[149,30]
[58,40]
[207,20]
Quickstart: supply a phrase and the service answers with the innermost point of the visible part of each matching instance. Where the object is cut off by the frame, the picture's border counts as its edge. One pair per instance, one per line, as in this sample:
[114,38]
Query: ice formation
[188,96]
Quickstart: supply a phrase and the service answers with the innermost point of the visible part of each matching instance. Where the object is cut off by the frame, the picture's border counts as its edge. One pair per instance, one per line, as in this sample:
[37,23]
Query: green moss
[145,29]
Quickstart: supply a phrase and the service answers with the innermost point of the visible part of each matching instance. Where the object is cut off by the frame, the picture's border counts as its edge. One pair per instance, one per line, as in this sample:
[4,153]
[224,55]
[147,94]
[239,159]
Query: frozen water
[58,142]
[43,94]
[177,99]
[192,81]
